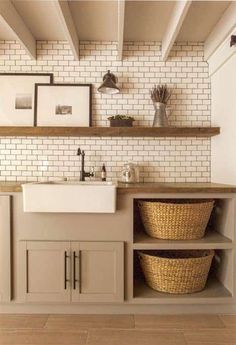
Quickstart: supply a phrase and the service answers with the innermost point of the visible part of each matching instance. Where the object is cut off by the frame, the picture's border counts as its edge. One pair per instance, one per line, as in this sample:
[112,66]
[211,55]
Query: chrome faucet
[83,174]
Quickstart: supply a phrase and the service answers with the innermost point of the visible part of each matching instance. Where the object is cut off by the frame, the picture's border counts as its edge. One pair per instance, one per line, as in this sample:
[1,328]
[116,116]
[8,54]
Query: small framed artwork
[17,97]
[66,105]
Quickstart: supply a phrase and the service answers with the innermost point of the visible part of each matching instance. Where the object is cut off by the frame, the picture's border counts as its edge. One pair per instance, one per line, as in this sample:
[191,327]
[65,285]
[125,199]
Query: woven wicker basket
[179,271]
[176,220]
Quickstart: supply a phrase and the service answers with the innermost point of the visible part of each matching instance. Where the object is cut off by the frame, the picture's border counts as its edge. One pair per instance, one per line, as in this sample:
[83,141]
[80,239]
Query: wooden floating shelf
[110,131]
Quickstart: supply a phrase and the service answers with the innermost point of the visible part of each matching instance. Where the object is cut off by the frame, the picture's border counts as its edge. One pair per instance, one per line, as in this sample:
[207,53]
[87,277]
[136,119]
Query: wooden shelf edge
[111,131]
[212,240]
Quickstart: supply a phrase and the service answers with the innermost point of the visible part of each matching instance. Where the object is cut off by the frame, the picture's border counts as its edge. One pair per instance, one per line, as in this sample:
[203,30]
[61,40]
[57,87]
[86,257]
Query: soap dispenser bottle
[103,173]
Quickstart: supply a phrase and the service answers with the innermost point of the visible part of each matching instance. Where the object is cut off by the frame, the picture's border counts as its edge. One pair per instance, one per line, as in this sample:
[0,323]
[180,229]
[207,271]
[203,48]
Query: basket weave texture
[176,271]
[176,220]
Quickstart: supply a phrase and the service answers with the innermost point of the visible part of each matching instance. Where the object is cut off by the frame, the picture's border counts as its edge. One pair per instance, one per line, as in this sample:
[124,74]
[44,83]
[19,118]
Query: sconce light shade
[233,41]
[109,84]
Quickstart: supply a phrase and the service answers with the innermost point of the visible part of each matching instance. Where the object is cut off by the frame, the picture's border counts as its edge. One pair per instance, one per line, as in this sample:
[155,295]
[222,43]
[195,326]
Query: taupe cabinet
[5,249]
[87,250]
[72,271]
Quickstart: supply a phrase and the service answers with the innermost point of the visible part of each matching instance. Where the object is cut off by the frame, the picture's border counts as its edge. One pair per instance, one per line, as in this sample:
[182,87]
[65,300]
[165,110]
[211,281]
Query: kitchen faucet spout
[83,173]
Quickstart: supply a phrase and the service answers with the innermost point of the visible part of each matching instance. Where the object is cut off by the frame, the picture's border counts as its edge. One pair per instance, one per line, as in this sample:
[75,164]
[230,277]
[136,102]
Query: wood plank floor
[117,329]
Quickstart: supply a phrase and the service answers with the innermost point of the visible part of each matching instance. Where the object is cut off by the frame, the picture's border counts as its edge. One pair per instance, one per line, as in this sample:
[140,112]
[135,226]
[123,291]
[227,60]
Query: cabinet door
[5,249]
[98,272]
[45,271]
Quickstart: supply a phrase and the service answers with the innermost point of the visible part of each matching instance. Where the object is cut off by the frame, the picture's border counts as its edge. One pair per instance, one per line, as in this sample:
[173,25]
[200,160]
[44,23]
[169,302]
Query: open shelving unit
[111,131]
[219,236]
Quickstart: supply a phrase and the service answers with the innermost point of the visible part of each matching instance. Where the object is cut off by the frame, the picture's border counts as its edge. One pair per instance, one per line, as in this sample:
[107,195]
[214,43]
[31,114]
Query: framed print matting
[17,97]
[66,105]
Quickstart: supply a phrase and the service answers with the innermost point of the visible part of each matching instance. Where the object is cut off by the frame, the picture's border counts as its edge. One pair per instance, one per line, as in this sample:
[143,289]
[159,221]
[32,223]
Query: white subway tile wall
[160,159]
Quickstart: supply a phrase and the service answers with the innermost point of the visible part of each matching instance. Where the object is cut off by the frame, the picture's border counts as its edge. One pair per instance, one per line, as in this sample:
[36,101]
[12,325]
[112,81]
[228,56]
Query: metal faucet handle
[79,152]
[92,172]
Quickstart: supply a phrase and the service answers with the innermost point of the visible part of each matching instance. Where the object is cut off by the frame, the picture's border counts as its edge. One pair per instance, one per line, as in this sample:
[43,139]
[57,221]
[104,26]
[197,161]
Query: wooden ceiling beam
[179,13]
[68,26]
[222,29]
[121,23]
[10,17]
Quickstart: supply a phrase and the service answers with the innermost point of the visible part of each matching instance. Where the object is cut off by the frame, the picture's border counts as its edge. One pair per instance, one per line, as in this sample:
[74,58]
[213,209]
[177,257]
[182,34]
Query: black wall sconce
[109,84]
[233,40]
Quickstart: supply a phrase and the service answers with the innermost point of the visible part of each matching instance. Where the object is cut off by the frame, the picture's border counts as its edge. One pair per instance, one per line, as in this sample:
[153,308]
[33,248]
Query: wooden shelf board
[111,131]
[212,240]
[214,292]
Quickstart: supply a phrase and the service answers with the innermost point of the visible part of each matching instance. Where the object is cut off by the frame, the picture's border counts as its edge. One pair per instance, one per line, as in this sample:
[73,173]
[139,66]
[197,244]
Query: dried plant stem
[160,93]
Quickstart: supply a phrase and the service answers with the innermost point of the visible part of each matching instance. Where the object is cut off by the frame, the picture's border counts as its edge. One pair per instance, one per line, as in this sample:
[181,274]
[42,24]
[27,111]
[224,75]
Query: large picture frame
[17,97]
[63,105]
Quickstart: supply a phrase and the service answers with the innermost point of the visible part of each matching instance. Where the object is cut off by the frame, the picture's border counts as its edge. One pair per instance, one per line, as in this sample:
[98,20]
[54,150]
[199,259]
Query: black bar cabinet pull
[74,270]
[65,270]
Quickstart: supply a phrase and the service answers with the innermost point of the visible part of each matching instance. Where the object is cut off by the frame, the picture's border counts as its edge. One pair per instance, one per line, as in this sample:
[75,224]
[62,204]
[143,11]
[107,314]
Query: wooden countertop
[175,188]
[10,187]
[124,188]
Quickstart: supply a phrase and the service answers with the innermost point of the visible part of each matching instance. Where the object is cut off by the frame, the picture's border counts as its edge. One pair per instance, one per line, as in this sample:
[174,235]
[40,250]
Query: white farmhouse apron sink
[71,196]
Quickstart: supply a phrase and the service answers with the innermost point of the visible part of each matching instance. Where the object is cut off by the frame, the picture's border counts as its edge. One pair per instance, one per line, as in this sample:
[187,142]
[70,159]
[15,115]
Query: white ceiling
[41,18]
[27,21]
[97,20]
[147,20]
[201,19]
